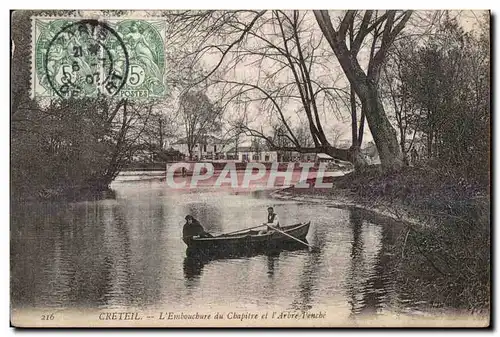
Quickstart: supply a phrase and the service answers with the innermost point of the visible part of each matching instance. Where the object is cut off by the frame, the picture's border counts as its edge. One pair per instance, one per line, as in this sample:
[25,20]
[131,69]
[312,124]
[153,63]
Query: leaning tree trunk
[356,158]
[384,135]
[365,84]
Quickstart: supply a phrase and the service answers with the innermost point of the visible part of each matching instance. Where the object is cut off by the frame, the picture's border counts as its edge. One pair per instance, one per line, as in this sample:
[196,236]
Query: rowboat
[250,240]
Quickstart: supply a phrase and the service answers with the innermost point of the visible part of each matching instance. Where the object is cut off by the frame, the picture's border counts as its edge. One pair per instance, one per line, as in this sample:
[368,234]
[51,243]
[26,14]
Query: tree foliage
[442,95]
[73,145]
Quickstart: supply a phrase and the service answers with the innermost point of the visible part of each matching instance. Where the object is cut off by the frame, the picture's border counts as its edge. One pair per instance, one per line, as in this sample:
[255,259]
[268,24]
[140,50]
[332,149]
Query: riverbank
[413,194]
[63,193]
[448,221]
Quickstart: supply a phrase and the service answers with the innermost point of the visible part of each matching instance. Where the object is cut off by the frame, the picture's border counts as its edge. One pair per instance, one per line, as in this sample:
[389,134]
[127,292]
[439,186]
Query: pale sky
[335,119]
[329,73]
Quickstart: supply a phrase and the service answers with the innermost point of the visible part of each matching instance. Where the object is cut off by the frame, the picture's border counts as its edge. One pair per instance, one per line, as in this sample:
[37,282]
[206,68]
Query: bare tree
[289,41]
[127,125]
[294,72]
[200,116]
[365,83]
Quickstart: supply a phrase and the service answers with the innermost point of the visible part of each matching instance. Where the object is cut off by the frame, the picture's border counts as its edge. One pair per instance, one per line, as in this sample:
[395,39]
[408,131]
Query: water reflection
[117,257]
[195,259]
[192,268]
[128,251]
[308,281]
[372,268]
[272,261]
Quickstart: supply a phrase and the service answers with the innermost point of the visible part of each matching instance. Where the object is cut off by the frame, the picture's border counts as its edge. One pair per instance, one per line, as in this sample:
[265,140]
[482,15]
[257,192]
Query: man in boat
[193,228]
[272,221]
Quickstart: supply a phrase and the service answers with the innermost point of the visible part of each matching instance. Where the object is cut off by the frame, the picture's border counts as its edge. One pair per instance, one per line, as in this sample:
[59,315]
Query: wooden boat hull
[251,240]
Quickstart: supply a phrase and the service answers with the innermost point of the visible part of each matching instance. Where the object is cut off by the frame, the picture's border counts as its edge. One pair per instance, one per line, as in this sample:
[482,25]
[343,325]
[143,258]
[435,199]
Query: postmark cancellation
[88,57]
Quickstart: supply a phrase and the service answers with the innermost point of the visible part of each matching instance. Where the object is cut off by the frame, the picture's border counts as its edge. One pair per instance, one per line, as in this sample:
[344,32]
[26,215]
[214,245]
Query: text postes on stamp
[75,57]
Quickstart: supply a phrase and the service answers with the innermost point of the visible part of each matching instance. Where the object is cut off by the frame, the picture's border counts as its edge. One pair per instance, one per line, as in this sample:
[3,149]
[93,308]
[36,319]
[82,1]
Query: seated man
[272,221]
[193,228]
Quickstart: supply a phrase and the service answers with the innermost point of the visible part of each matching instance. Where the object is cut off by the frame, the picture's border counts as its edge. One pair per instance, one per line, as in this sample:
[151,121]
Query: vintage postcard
[250,168]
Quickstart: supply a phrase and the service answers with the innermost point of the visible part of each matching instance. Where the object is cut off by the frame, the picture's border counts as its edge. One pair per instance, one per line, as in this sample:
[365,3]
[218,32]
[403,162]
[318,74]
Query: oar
[293,237]
[242,230]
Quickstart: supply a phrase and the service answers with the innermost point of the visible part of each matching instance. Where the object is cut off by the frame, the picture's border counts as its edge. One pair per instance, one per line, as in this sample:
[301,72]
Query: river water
[127,251]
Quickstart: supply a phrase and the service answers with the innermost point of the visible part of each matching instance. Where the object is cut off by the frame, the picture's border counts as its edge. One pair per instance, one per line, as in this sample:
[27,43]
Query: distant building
[253,154]
[213,148]
[297,156]
[324,158]
[209,147]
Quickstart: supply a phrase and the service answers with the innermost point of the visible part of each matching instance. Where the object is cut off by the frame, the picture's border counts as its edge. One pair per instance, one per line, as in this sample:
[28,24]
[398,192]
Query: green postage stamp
[111,57]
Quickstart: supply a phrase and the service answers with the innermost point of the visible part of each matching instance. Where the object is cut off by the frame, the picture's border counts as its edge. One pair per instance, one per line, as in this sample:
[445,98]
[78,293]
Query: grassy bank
[446,257]
[422,192]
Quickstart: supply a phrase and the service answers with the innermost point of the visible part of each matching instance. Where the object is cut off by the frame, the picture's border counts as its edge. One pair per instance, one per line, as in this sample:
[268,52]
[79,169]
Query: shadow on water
[377,278]
[371,271]
[195,259]
[72,195]
[272,261]
[116,265]
[409,269]
[128,251]
[192,267]
[308,281]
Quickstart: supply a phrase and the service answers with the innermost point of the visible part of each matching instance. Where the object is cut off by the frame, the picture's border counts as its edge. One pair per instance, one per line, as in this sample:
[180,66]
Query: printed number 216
[48,317]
